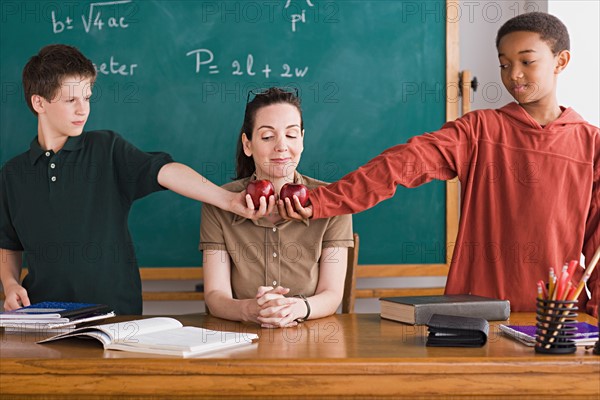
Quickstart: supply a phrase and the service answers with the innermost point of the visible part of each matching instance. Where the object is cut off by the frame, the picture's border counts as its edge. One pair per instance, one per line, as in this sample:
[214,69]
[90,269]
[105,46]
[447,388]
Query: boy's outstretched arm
[187,182]
[422,159]
[10,274]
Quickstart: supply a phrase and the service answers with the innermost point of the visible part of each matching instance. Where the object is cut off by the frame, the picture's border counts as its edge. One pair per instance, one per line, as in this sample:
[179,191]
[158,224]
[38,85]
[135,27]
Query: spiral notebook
[585,335]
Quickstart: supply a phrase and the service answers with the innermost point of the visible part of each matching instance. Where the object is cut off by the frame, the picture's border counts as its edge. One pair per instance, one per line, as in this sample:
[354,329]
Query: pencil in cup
[570,294]
[546,306]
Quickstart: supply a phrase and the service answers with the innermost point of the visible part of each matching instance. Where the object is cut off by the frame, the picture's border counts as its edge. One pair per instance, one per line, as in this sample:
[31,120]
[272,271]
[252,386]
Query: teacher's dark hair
[244,164]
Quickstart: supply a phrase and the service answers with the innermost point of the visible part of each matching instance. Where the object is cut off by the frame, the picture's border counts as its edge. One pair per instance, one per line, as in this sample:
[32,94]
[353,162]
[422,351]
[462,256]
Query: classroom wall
[579,85]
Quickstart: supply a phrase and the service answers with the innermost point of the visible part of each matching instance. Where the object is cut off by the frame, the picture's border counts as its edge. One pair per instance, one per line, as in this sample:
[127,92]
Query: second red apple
[290,189]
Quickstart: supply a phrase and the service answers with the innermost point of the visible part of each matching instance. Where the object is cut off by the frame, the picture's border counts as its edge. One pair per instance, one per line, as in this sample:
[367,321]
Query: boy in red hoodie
[529,173]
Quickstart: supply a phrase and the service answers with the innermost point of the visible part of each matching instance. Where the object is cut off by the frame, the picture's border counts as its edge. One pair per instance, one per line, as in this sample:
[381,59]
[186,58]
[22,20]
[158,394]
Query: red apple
[290,189]
[258,188]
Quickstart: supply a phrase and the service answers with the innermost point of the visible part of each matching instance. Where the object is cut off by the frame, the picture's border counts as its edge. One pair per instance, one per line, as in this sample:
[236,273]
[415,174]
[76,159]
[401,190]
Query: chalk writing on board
[113,67]
[295,18]
[93,19]
[205,63]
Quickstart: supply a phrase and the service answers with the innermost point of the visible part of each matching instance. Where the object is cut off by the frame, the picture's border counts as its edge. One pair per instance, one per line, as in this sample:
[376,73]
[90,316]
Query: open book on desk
[159,335]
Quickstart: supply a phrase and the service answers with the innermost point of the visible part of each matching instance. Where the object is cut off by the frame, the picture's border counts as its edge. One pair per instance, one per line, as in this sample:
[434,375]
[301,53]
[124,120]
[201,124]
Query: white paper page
[129,331]
[191,339]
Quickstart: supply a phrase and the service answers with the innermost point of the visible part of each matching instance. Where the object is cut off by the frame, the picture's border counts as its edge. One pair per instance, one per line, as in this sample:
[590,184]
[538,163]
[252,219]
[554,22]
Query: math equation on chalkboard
[204,62]
[94,19]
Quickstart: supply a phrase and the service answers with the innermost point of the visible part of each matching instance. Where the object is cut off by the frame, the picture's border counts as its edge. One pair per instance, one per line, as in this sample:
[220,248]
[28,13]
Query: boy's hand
[241,204]
[297,212]
[16,297]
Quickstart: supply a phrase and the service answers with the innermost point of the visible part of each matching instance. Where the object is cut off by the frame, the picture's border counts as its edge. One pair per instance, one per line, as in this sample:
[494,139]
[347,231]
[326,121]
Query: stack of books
[53,316]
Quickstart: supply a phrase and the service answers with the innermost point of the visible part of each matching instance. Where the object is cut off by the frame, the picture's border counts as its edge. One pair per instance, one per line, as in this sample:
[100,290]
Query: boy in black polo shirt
[65,201]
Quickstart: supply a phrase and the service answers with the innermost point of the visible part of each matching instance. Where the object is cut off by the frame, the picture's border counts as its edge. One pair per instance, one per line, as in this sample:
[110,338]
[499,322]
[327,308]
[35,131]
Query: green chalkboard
[173,76]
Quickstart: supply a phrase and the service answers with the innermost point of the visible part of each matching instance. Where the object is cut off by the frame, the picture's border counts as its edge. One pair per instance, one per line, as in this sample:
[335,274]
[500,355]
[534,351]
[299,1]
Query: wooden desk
[343,355]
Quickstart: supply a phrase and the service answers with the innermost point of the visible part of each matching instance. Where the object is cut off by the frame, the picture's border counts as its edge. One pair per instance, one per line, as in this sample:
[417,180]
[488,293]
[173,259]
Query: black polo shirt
[68,212]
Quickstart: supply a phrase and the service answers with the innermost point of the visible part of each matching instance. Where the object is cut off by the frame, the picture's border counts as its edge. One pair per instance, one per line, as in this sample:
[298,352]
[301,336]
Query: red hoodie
[530,197]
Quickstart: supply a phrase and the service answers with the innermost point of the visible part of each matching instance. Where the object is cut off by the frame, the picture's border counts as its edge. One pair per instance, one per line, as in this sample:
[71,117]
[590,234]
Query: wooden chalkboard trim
[395,292]
[363,271]
[401,270]
[171,273]
[172,296]
[452,96]
[194,273]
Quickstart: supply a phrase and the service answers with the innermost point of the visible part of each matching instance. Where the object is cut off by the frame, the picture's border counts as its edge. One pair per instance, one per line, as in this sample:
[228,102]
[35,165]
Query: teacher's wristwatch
[303,297]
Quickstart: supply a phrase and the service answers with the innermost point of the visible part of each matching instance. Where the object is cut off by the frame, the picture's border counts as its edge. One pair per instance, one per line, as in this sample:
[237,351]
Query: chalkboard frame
[451,187]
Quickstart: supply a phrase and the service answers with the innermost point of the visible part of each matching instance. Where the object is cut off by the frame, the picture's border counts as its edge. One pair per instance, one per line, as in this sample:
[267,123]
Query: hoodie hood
[518,114]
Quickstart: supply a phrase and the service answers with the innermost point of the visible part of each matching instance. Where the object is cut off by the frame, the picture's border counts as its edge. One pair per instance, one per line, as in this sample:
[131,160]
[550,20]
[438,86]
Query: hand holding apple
[290,189]
[293,211]
[259,188]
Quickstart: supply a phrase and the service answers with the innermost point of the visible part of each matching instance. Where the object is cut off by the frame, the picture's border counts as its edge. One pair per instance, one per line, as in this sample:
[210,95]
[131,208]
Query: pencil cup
[555,327]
